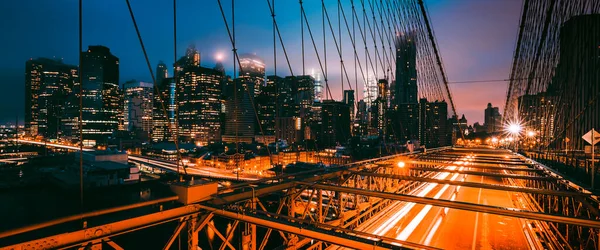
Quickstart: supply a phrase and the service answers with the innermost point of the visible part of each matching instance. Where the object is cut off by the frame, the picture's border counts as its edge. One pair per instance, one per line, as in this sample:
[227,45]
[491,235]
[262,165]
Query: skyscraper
[349,100]
[370,91]
[198,99]
[380,108]
[493,119]
[48,83]
[102,99]
[318,85]
[161,72]
[361,124]
[404,94]
[164,111]
[138,107]
[406,89]
[253,69]
[240,116]
[334,125]
[266,106]
[433,123]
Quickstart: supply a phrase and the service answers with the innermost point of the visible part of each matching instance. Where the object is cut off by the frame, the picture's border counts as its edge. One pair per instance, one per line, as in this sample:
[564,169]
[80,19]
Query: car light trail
[409,229]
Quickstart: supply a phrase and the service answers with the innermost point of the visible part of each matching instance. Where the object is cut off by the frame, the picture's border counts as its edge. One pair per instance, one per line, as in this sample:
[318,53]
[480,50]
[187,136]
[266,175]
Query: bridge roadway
[432,215]
[446,228]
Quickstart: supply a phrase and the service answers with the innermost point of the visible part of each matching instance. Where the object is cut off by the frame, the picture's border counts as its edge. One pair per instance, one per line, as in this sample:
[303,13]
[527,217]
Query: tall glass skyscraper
[137,109]
[102,100]
[48,83]
[199,100]
[405,87]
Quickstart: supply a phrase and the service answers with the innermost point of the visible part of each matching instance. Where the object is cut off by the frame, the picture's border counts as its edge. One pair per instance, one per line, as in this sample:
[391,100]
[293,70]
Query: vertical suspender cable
[341,50]
[325,48]
[274,41]
[80,106]
[176,122]
[302,37]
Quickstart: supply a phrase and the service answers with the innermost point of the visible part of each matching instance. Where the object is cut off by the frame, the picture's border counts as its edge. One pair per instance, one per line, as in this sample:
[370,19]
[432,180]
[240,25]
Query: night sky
[476,39]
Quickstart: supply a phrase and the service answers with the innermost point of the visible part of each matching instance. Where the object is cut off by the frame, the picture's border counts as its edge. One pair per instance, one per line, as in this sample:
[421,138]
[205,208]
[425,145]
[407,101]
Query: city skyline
[133,66]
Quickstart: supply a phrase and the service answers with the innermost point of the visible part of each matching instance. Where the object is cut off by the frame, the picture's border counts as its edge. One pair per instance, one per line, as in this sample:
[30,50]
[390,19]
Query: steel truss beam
[509,176]
[480,161]
[475,185]
[474,165]
[309,231]
[84,216]
[82,236]
[511,212]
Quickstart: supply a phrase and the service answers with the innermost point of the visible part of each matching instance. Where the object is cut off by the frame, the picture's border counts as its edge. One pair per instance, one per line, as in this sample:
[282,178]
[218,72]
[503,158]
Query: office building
[334,126]
[493,119]
[164,111]
[102,98]
[405,86]
[48,83]
[252,70]
[161,72]
[318,85]
[198,100]
[138,108]
[240,117]
[433,121]
[266,107]
[349,100]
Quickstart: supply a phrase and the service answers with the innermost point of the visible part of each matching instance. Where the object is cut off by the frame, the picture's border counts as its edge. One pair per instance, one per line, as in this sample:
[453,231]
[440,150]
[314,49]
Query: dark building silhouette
[161,72]
[48,83]
[404,111]
[349,100]
[240,117]
[405,85]
[433,123]
[361,122]
[576,78]
[334,125]
[493,119]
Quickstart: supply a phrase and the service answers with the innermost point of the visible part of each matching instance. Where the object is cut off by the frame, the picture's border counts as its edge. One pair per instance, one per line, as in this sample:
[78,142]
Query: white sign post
[592,137]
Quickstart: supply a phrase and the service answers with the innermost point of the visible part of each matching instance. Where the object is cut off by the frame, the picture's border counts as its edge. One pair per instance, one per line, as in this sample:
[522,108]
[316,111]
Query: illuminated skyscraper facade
[102,99]
[138,107]
[318,85]
[48,83]
[164,111]
[199,100]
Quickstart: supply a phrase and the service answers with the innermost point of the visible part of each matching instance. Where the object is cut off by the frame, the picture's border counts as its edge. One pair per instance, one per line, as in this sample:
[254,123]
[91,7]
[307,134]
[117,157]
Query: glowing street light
[530,133]
[401,164]
[514,128]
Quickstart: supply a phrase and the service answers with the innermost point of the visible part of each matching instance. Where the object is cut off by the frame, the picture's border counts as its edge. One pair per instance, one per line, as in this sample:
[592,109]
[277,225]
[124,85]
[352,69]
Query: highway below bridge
[447,198]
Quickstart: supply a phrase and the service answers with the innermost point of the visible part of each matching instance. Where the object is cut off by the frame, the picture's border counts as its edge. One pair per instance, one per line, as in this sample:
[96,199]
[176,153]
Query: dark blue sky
[476,39]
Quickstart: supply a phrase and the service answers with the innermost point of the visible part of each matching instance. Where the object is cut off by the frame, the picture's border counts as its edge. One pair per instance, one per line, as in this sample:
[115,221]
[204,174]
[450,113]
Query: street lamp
[401,164]
[514,129]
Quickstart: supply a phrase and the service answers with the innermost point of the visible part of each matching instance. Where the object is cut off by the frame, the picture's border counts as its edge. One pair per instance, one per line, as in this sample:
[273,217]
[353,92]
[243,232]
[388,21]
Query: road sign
[588,137]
